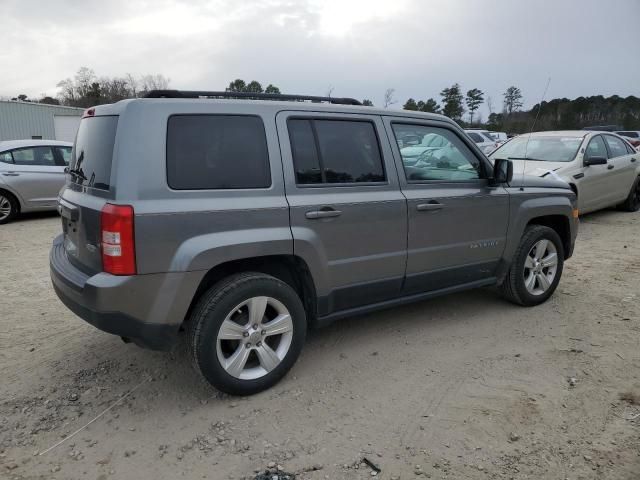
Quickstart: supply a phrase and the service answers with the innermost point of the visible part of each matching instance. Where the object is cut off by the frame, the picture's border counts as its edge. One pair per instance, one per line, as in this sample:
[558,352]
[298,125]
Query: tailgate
[87,190]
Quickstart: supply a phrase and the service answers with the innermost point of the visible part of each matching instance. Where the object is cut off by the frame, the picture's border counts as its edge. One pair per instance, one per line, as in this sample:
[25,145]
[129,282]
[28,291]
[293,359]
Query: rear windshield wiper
[77,172]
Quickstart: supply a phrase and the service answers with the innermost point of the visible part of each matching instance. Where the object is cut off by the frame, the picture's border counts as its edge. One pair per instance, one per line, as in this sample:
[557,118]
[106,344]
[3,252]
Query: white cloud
[361,47]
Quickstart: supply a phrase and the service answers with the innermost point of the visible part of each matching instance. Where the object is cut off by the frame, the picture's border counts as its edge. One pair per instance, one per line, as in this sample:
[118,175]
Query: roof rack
[249,95]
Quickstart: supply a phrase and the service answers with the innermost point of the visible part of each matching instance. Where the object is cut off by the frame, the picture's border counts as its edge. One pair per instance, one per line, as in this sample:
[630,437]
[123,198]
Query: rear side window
[335,151]
[616,146]
[93,151]
[217,152]
[64,154]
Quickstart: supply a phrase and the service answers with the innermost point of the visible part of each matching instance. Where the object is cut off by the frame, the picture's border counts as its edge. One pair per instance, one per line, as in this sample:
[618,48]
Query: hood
[548,181]
[535,168]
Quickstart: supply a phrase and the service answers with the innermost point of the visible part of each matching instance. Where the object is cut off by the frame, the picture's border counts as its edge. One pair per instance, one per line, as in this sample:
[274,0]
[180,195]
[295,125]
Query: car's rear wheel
[246,332]
[8,207]
[632,203]
[537,267]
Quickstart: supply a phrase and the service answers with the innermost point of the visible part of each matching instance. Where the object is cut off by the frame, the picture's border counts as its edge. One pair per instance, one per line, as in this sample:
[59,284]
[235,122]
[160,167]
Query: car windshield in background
[93,151]
[545,149]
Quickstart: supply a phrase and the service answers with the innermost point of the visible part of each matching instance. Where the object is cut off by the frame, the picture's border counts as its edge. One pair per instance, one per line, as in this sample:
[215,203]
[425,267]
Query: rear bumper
[147,309]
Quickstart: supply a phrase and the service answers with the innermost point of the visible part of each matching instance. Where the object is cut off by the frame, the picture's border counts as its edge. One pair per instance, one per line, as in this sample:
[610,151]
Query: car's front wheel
[536,268]
[246,332]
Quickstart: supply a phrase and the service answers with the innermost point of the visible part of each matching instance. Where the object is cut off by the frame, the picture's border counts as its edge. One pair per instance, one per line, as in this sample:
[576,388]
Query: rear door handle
[609,167]
[633,160]
[328,213]
[424,207]
[10,174]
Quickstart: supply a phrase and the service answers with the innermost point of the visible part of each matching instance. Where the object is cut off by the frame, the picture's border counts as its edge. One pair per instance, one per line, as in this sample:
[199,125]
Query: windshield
[545,149]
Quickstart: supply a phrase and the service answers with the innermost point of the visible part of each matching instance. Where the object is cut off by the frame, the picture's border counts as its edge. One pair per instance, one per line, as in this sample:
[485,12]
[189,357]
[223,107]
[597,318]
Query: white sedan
[602,168]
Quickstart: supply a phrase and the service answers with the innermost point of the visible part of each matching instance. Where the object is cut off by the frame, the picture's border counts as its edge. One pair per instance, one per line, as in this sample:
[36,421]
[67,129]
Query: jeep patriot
[245,221]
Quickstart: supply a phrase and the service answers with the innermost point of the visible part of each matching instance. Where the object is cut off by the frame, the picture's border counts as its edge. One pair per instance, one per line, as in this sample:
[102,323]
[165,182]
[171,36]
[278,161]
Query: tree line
[86,89]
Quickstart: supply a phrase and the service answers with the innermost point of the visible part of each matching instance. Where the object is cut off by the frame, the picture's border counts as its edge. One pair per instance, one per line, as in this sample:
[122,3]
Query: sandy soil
[461,387]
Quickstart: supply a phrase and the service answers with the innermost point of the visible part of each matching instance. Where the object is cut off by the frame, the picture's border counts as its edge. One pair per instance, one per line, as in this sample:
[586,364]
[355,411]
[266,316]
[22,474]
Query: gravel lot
[466,386]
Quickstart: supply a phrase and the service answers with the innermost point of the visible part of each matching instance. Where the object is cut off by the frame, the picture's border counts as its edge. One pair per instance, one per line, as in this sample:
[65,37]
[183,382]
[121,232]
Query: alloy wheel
[254,338]
[5,207]
[540,267]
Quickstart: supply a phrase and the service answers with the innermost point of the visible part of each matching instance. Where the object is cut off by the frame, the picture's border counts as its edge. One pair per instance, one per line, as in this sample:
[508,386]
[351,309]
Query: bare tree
[489,103]
[388,97]
[330,89]
[133,84]
[154,82]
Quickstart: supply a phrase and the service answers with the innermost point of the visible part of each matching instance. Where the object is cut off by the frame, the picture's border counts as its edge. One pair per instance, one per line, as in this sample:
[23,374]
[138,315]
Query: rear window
[93,151]
[217,152]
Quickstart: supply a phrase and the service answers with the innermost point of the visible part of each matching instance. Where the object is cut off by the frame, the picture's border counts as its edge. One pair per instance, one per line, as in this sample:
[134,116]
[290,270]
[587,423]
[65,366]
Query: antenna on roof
[533,125]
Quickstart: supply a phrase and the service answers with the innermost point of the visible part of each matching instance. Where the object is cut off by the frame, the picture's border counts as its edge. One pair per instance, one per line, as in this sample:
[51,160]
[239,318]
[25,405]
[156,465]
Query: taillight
[118,245]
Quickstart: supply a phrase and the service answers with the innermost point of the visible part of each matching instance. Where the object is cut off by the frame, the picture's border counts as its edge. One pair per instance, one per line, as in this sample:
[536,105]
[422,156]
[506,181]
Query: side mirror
[594,161]
[502,171]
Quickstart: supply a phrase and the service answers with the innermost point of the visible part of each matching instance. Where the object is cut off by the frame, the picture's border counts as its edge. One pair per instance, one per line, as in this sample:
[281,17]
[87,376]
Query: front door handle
[633,160]
[322,213]
[431,206]
[10,174]
[609,167]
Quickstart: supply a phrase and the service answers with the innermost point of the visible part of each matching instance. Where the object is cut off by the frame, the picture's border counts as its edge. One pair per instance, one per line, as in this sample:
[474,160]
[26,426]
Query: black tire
[632,203]
[13,205]
[513,286]
[212,309]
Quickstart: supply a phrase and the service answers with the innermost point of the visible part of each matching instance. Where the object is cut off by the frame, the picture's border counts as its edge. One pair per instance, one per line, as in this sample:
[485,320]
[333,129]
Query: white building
[27,120]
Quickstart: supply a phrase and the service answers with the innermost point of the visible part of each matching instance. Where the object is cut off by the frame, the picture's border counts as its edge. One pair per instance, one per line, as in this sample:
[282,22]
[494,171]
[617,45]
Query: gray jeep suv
[244,222]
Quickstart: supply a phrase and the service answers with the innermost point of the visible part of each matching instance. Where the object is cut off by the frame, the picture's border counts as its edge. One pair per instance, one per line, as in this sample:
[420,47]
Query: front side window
[5,157]
[34,156]
[335,151]
[596,148]
[616,146]
[217,152]
[452,161]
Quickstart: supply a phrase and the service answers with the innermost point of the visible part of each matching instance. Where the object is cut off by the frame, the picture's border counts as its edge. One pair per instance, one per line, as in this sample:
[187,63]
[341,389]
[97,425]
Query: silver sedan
[31,175]
[601,167]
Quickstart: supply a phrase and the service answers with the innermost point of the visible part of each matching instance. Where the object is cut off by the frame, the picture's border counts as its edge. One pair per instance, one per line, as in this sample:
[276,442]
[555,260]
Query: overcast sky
[360,47]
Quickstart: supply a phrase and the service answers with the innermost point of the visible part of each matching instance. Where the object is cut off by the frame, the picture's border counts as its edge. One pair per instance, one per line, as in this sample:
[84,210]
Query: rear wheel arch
[290,269]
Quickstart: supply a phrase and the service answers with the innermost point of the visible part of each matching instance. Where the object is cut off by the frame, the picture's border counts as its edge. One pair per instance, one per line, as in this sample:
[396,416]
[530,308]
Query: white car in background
[500,137]
[483,139]
[601,167]
[32,172]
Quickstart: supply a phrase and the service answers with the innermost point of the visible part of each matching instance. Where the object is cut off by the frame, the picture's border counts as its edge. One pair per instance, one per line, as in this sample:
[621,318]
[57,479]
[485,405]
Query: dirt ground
[461,387]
